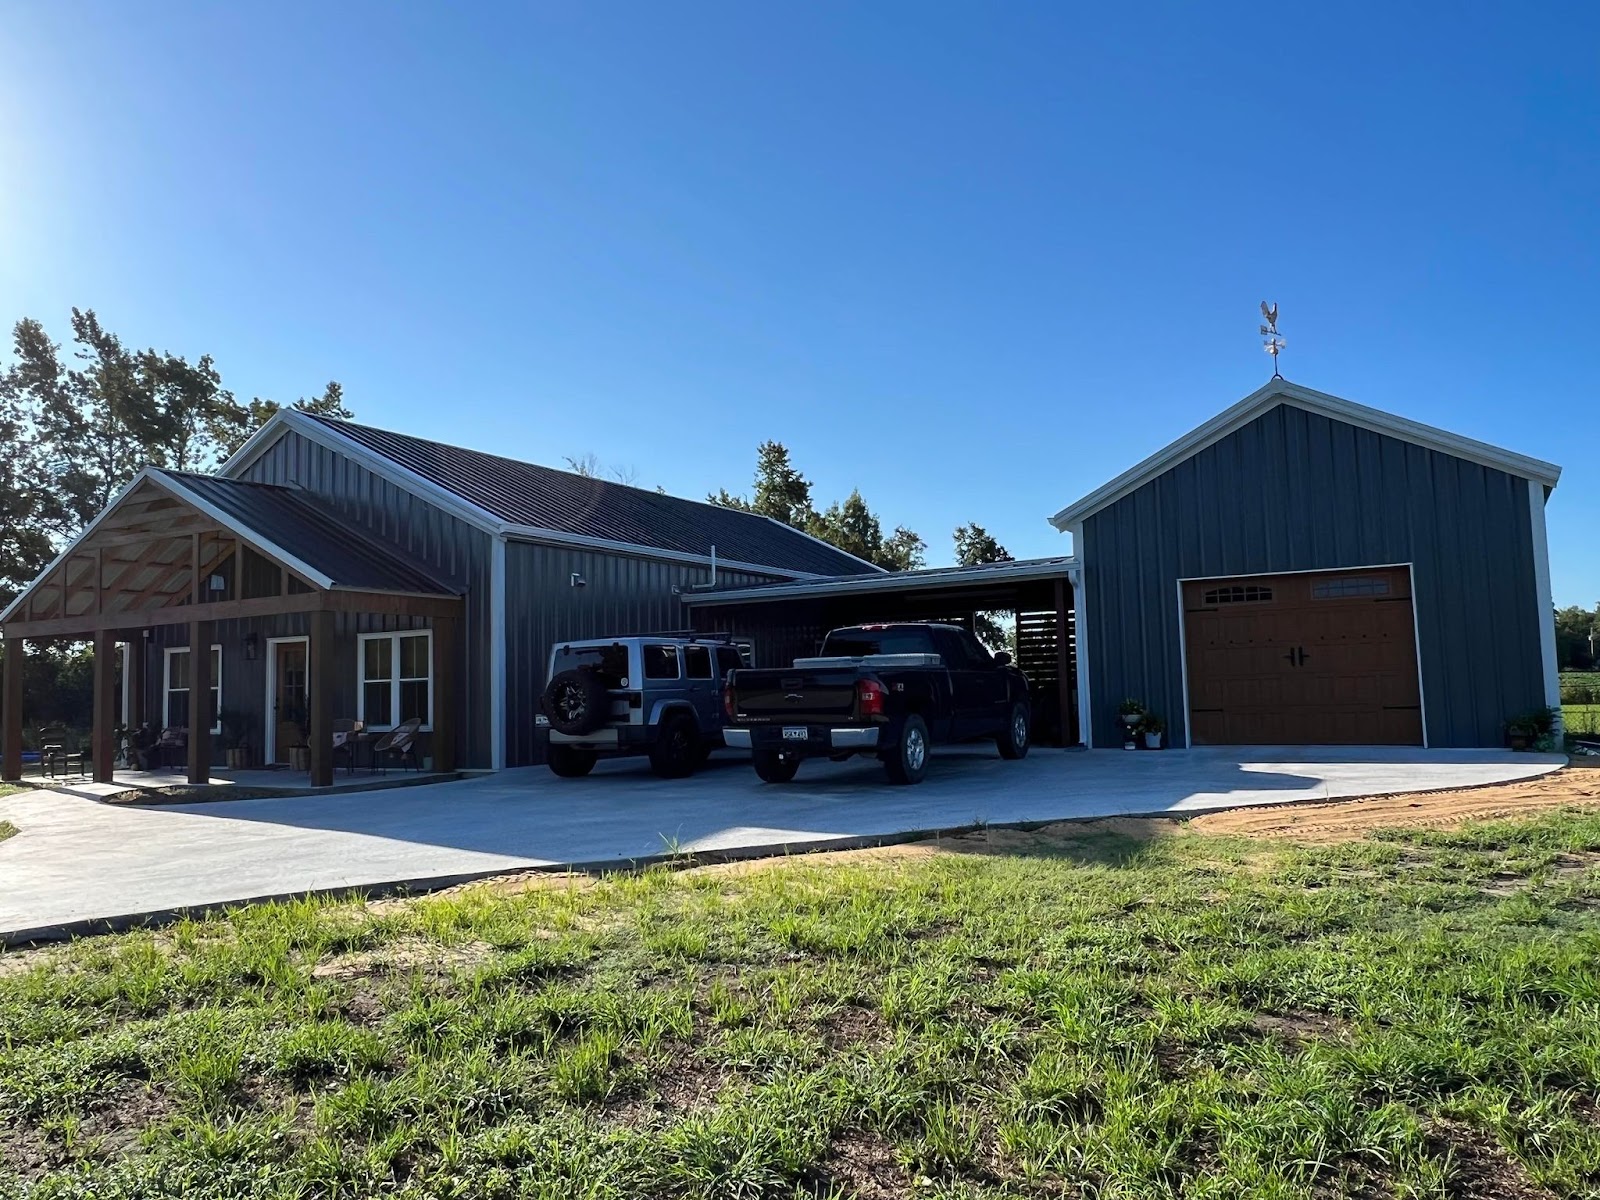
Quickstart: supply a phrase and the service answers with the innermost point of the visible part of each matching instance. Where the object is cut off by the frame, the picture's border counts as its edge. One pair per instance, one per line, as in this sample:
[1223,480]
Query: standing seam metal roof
[286,517]
[564,502]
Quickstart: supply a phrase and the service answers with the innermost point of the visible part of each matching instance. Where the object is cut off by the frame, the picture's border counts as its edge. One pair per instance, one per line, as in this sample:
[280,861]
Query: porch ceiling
[158,553]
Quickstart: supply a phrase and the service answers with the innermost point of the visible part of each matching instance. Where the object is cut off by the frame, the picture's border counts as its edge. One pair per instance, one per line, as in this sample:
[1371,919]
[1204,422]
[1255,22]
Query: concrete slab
[77,860]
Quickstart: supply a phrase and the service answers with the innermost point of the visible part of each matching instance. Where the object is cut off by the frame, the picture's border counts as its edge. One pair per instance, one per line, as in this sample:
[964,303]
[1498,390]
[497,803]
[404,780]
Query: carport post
[11,767]
[1067,703]
[200,715]
[319,673]
[102,742]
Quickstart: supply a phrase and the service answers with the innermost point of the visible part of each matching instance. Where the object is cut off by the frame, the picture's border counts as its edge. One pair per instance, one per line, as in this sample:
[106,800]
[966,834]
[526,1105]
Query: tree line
[77,424]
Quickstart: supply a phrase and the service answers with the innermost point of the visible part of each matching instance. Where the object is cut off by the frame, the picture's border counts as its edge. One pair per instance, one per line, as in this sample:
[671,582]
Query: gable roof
[519,499]
[343,554]
[1281,391]
[280,522]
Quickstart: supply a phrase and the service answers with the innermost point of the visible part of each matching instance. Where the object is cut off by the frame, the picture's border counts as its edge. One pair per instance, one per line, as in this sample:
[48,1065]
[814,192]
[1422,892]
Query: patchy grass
[1103,1014]
[7,829]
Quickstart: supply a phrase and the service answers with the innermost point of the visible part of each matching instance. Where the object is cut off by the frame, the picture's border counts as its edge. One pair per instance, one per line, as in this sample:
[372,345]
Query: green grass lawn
[7,829]
[1417,1016]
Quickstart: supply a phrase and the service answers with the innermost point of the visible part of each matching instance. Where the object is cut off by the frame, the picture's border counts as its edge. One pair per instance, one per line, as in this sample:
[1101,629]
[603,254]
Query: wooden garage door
[1303,660]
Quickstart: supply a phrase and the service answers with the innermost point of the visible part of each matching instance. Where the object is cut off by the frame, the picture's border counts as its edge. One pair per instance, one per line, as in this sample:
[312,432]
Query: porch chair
[171,748]
[401,741]
[348,734]
[56,748]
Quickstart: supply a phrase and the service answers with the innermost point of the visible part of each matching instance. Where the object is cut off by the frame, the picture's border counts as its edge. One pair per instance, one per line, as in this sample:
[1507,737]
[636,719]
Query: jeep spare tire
[576,702]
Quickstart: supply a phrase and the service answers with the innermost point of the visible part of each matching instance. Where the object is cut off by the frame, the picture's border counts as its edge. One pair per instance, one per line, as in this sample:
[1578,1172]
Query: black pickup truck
[889,690]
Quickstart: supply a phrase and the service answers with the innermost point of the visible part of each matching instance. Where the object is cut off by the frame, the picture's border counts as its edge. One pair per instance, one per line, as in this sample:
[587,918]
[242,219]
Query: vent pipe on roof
[713,564]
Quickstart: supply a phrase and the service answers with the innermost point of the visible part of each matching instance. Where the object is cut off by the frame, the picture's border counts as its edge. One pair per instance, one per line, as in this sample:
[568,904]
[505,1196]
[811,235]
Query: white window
[176,688]
[395,679]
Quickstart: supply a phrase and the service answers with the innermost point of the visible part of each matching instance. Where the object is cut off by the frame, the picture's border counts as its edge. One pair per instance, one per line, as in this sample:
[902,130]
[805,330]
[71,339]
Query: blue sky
[974,260]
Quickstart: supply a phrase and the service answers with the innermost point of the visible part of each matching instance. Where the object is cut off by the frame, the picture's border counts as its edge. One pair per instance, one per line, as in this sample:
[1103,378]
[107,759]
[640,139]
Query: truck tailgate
[772,696]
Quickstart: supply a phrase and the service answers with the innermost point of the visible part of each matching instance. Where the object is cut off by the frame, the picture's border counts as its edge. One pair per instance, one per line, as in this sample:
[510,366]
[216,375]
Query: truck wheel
[575,702]
[572,762]
[907,760]
[773,767]
[1013,739]
[676,751]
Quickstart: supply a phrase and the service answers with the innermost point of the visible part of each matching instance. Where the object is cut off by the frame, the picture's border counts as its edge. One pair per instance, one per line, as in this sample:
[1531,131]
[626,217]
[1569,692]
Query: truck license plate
[795,733]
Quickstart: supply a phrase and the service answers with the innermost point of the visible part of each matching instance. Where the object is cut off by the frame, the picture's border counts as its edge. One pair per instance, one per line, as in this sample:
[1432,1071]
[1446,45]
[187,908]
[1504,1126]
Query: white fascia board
[889,581]
[1334,407]
[72,547]
[174,485]
[551,537]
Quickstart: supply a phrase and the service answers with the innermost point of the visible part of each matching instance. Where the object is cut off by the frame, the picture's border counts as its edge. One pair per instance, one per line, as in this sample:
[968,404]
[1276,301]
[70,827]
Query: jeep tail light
[727,701]
[870,697]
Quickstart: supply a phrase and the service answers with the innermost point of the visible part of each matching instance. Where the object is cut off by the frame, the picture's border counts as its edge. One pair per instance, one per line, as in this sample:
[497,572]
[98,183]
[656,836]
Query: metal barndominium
[1271,342]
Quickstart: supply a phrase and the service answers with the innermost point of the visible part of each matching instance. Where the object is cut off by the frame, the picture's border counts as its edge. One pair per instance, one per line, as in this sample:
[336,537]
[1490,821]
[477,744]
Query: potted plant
[1131,713]
[292,722]
[235,738]
[1153,727]
[1532,729]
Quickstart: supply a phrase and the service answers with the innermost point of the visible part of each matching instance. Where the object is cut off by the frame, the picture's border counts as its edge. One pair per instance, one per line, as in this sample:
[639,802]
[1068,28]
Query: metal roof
[564,502]
[1281,391]
[931,579]
[343,553]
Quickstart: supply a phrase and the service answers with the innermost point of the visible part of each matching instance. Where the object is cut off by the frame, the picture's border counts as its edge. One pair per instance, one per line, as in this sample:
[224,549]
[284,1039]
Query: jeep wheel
[907,760]
[572,762]
[773,767]
[1013,739]
[676,751]
[576,702]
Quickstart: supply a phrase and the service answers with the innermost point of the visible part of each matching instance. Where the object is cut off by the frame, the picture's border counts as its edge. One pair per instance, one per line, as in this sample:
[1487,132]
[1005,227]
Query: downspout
[713,564]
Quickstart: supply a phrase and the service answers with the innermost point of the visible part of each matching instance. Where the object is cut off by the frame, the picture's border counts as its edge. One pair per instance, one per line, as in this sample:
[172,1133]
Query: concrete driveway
[77,859]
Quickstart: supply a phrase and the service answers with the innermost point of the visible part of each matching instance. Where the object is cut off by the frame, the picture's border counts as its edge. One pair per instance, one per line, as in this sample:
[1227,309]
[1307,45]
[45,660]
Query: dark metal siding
[244,682]
[621,595]
[1296,491]
[460,552]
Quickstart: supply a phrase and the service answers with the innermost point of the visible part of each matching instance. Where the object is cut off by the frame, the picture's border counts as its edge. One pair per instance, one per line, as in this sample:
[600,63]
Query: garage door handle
[1297,657]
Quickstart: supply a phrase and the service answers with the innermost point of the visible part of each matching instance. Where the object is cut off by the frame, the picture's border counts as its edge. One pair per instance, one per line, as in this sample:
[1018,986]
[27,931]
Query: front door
[289,708]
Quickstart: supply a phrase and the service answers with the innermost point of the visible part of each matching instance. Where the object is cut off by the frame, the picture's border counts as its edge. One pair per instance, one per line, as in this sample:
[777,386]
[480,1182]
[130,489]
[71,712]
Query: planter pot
[1519,741]
[238,758]
[1152,741]
[300,758]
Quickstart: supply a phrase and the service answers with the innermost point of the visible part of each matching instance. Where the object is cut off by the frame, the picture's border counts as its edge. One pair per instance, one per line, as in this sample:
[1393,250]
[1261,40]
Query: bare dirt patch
[401,957]
[1352,820]
[864,1165]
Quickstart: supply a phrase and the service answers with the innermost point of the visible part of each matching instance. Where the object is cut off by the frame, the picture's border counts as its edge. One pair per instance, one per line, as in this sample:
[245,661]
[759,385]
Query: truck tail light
[870,697]
[727,700]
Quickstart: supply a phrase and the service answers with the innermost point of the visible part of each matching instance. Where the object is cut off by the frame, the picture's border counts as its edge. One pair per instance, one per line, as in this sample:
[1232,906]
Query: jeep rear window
[660,662]
[610,663]
[857,643]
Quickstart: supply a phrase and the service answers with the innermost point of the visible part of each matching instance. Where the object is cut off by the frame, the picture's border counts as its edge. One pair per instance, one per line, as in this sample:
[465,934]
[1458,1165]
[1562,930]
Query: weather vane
[1271,342]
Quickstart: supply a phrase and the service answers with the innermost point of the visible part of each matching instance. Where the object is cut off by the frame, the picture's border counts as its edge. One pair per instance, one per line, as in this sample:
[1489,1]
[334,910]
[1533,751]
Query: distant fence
[1581,718]
[1580,687]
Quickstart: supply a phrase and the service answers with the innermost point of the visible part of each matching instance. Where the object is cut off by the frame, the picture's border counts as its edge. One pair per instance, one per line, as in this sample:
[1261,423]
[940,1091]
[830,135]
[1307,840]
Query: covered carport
[785,621]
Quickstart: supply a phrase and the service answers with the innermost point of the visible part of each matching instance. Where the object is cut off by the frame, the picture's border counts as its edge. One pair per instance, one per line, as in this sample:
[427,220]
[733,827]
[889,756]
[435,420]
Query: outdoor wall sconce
[219,583]
[578,580]
[252,646]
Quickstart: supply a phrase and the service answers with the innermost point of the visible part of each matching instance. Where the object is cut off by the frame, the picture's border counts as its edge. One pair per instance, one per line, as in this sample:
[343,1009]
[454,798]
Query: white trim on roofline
[1281,391]
[891,581]
[287,419]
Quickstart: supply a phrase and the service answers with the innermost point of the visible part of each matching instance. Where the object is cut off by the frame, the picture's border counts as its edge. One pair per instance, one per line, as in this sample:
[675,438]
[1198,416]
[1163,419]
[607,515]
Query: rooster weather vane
[1271,342]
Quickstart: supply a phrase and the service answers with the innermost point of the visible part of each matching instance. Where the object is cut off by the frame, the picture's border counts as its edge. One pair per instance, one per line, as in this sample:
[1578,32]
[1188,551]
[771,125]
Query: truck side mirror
[1002,658]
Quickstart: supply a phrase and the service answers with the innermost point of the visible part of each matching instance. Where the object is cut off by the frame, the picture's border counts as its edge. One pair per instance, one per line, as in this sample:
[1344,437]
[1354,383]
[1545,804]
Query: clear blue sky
[973,259]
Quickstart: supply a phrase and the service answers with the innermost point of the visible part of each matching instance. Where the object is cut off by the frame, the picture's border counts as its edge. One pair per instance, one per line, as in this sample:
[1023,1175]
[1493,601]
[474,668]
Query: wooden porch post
[200,635]
[1067,703]
[102,742]
[445,652]
[320,661]
[11,767]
